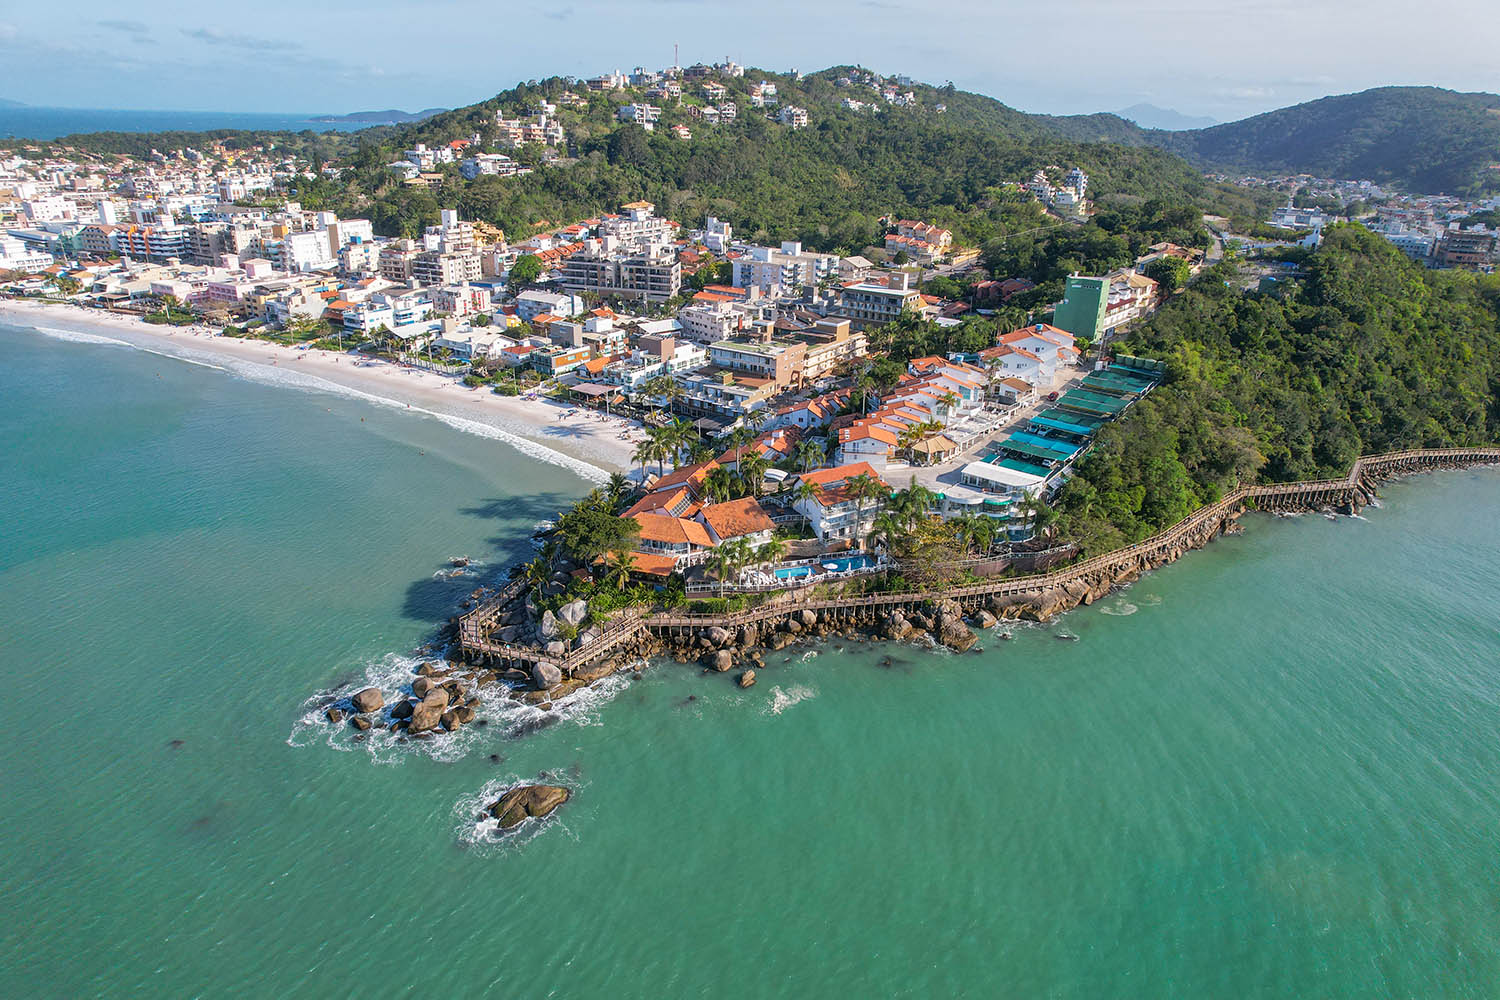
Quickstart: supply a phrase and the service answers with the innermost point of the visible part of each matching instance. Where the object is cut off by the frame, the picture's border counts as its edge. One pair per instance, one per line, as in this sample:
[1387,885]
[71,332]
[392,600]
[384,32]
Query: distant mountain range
[10,104]
[1151,116]
[388,117]
[1421,138]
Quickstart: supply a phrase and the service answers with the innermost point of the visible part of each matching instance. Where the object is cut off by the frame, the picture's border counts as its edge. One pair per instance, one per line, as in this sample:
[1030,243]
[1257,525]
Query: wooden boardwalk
[476,627]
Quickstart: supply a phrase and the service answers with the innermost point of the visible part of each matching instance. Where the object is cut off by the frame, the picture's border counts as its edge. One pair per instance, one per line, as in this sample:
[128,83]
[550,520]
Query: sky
[1222,58]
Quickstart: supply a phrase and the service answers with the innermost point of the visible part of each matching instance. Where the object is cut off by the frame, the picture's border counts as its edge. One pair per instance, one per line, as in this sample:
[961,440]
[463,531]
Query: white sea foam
[78,337]
[393,675]
[781,700]
[1119,608]
[477,830]
[289,377]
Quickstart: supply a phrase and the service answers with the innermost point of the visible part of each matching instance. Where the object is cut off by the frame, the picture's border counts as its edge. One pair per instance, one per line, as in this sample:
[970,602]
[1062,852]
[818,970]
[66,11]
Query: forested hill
[1370,352]
[827,184]
[1421,139]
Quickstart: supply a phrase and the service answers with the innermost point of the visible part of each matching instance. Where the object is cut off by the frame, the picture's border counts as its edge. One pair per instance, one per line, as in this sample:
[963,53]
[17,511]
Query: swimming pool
[793,572]
[842,564]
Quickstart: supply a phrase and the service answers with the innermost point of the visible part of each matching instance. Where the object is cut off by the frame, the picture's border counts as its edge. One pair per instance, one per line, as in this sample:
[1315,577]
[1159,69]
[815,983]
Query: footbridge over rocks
[1036,597]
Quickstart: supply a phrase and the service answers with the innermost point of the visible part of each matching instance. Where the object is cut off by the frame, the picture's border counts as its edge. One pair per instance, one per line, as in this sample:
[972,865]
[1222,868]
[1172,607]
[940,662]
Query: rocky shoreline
[444,696]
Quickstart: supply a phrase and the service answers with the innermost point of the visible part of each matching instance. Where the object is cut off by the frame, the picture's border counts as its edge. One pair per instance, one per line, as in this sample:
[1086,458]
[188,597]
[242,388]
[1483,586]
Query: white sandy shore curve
[586,442]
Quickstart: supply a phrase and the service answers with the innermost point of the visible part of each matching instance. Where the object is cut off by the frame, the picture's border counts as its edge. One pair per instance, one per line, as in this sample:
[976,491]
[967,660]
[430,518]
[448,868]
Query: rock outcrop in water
[527,802]
[368,700]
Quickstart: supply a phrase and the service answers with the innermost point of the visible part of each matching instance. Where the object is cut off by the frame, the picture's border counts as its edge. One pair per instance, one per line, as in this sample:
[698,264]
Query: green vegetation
[1369,353]
[1171,273]
[1421,138]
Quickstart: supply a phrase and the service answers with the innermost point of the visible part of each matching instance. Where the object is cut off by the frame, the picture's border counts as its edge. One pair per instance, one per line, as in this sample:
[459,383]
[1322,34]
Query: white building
[792,116]
[14,256]
[531,304]
[767,268]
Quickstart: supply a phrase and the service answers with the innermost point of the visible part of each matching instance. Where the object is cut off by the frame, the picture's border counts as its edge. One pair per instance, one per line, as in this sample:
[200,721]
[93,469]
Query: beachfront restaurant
[991,477]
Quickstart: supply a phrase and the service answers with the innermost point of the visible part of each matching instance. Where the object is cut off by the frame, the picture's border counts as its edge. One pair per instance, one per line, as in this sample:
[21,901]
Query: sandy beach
[590,443]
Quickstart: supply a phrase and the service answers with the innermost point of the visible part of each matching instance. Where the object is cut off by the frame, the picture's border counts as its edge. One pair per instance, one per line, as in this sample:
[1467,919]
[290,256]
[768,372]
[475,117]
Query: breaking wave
[476,830]
[781,700]
[278,376]
[496,717]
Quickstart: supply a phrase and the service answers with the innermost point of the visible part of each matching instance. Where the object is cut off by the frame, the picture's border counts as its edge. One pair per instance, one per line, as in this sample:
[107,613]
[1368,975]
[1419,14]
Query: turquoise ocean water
[1271,769]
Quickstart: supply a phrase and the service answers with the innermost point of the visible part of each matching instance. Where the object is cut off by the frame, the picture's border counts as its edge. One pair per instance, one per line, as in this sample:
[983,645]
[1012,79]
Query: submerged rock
[528,802]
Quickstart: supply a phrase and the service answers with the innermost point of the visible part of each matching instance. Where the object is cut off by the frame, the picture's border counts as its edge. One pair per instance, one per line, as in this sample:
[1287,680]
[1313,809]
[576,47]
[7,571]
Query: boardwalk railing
[476,626]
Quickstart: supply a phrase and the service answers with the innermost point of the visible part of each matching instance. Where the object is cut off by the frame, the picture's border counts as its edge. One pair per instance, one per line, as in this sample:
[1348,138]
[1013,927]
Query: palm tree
[810,453]
[888,528]
[773,551]
[719,484]
[618,487]
[739,552]
[912,503]
[863,488]
[720,560]
[728,559]
[753,466]
[646,452]
[538,573]
[806,492]
[663,447]
[679,437]
[619,565]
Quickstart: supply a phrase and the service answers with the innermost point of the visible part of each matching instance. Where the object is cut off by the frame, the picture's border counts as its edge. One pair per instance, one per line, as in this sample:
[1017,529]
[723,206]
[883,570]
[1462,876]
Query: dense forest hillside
[1421,139]
[1369,353]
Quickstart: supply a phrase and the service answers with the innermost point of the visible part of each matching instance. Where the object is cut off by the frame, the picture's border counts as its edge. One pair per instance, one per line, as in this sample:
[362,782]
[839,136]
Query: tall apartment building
[872,303]
[651,277]
[443,267]
[637,227]
[152,242]
[767,268]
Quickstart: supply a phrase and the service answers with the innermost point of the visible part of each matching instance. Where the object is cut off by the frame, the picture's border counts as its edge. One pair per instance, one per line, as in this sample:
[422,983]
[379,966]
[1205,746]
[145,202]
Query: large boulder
[954,634]
[721,660]
[545,675]
[429,714]
[780,640]
[896,626]
[548,628]
[716,635]
[556,649]
[749,636]
[369,700]
[983,619]
[422,685]
[747,678]
[527,802]
[402,710]
[809,617]
[574,613]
